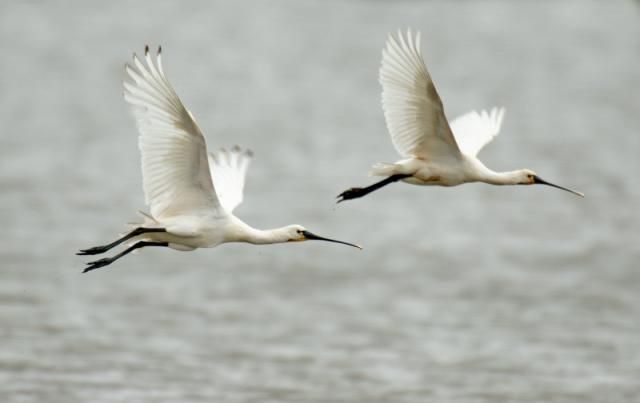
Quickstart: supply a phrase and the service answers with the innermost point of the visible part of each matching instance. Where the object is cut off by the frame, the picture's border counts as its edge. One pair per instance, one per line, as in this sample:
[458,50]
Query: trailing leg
[108,260]
[101,249]
[354,193]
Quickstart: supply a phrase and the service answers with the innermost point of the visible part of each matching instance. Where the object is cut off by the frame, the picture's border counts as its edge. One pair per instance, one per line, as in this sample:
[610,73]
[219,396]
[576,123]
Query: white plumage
[175,171]
[229,169]
[474,130]
[191,194]
[433,152]
[412,107]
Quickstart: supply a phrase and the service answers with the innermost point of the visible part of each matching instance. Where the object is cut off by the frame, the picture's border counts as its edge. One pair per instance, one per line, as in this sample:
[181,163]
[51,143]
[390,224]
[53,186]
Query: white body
[190,193]
[440,173]
[433,151]
[189,232]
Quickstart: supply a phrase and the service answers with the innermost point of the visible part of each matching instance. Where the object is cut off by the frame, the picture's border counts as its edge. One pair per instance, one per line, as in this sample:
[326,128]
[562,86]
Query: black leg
[108,260]
[354,193]
[101,249]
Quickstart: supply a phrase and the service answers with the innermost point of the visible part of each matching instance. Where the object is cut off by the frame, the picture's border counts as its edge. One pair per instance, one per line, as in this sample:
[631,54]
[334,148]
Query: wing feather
[474,130]
[175,168]
[412,108]
[229,170]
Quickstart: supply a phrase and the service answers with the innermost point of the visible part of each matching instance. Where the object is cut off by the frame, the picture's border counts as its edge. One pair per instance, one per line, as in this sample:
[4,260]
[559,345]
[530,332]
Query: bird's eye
[299,231]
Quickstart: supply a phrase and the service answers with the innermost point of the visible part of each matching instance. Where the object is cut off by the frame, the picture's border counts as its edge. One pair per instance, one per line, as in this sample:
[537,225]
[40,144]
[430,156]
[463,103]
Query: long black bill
[537,179]
[312,236]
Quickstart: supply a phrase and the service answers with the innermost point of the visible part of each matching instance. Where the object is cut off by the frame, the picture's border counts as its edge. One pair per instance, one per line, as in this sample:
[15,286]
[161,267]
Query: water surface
[472,294]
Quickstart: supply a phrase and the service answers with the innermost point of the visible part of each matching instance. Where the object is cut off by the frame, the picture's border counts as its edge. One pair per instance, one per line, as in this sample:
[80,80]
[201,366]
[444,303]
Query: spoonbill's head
[297,233]
[528,177]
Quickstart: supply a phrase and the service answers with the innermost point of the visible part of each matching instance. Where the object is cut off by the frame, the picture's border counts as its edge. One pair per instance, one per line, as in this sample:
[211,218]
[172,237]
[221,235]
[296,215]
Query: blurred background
[469,294]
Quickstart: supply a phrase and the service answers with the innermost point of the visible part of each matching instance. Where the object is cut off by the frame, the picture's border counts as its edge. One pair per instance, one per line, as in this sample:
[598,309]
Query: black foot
[93,251]
[352,193]
[98,264]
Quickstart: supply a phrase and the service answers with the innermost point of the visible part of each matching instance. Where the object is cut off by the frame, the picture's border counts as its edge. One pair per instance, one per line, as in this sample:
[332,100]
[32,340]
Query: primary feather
[175,167]
[412,107]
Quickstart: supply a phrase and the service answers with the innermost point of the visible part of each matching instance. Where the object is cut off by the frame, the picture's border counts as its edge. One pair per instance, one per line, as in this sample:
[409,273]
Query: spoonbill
[434,152]
[191,195]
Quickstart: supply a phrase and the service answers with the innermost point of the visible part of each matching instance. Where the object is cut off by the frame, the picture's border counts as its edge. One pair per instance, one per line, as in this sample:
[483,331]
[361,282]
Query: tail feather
[147,222]
[383,169]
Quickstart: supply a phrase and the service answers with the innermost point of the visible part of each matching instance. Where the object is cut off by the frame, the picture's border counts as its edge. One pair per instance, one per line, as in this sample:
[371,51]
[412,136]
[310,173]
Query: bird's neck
[503,178]
[269,236]
[246,233]
[487,175]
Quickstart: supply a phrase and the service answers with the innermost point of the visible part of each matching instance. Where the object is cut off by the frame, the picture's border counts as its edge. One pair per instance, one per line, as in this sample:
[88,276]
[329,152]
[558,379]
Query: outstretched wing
[474,130]
[229,170]
[175,169]
[412,108]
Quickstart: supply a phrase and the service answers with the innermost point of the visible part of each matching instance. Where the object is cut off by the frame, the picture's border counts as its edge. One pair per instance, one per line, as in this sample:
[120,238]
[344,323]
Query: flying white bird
[191,195]
[434,152]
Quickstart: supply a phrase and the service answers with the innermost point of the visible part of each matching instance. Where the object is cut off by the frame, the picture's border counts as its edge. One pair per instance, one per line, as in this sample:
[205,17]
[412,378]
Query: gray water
[470,294]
